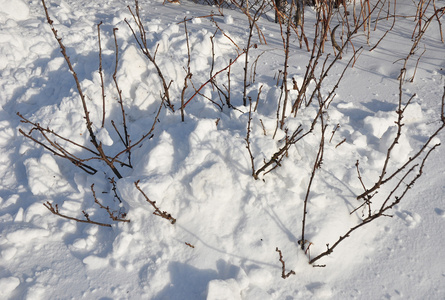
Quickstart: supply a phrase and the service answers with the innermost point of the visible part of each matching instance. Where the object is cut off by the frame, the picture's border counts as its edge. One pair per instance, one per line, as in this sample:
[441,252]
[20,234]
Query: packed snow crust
[228,225]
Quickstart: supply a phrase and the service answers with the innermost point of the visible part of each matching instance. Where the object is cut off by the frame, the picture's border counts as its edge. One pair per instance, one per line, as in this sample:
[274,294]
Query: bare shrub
[89,158]
[308,110]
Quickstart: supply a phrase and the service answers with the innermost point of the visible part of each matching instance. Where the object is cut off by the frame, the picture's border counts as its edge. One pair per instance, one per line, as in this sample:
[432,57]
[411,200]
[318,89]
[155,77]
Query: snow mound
[45,177]
[7,285]
[17,10]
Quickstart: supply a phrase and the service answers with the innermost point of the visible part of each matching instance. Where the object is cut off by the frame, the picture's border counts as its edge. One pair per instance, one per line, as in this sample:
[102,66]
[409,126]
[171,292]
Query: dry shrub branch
[116,216]
[141,39]
[90,158]
[284,275]
[157,212]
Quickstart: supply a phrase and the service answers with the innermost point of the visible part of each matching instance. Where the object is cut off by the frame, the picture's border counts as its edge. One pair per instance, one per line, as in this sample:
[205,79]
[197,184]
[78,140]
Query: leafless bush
[310,94]
[314,95]
[90,158]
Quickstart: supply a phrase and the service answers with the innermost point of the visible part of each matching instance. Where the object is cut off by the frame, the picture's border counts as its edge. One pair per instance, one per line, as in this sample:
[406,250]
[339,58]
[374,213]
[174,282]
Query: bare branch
[55,210]
[283,266]
[157,212]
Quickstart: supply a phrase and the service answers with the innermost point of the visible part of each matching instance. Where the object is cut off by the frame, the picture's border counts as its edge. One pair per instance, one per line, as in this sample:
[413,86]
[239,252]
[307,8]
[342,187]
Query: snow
[7,285]
[228,225]
[17,11]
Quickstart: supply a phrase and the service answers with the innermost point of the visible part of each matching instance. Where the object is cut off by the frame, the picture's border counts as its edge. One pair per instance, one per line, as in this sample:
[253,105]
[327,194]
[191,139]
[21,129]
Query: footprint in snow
[440,212]
[411,219]
[320,290]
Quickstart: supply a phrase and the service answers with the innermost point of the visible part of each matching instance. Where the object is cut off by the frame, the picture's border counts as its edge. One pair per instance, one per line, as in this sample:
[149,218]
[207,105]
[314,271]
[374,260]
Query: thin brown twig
[284,87]
[283,266]
[114,189]
[245,10]
[317,163]
[212,78]
[149,134]
[119,218]
[101,75]
[334,131]
[157,212]
[126,139]
[225,34]
[247,139]
[188,75]
[55,210]
[190,245]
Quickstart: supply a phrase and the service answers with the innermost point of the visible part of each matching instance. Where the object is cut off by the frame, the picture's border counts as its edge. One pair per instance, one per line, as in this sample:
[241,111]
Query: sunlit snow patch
[44,177]
[7,285]
[16,10]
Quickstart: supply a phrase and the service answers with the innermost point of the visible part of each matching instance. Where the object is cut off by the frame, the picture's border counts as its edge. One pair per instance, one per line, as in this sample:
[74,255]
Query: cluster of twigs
[311,87]
[141,39]
[116,216]
[55,210]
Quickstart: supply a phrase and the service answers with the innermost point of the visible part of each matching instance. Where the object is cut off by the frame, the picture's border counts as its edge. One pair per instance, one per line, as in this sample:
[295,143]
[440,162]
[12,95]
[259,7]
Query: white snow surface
[228,225]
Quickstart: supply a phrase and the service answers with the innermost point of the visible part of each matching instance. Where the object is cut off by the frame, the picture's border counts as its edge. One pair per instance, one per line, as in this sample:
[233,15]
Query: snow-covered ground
[228,225]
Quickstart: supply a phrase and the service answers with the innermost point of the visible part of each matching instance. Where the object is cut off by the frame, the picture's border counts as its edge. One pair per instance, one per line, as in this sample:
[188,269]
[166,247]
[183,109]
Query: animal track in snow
[440,212]
[411,219]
